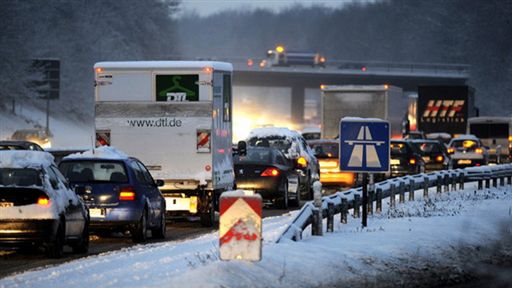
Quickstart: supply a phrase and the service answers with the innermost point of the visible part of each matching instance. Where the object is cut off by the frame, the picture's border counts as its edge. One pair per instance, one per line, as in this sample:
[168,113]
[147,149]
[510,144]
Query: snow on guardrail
[333,204]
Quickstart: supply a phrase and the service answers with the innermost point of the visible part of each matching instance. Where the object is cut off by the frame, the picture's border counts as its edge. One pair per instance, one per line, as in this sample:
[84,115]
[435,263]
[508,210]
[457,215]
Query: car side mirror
[159,182]
[242,148]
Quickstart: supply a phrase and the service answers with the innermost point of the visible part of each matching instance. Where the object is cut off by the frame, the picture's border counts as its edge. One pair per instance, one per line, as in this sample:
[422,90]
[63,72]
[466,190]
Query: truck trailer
[174,116]
[366,101]
[445,108]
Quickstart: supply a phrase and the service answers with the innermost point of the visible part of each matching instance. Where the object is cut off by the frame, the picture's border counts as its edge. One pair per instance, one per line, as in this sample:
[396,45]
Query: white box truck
[174,116]
[366,101]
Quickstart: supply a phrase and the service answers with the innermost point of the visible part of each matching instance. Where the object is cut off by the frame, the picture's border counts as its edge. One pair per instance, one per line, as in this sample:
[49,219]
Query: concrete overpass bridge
[408,76]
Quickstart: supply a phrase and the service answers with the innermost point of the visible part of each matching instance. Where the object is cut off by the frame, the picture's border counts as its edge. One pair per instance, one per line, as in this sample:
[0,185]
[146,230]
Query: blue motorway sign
[364,145]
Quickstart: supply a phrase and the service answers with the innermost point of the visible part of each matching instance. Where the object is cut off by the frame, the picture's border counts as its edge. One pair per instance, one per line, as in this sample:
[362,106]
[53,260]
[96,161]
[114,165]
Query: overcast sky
[208,7]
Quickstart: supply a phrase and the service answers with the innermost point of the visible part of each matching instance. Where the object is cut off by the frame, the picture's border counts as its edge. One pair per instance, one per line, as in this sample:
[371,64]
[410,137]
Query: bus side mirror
[242,148]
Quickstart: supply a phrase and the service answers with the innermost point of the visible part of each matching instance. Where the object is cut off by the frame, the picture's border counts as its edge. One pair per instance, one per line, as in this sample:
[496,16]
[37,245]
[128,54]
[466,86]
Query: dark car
[269,173]
[37,206]
[405,159]
[434,154]
[19,145]
[119,191]
[295,148]
[40,136]
[466,151]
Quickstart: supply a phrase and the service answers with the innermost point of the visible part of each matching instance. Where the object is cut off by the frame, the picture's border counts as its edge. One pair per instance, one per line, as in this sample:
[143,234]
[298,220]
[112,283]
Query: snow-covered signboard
[240,226]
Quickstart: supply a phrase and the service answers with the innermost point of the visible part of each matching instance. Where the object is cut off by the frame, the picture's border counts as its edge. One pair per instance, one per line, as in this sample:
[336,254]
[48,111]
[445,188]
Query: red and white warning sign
[203,140]
[240,226]
[102,138]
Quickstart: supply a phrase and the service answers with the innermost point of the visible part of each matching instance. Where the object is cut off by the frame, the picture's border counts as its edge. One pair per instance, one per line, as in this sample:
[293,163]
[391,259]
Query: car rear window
[428,148]
[20,177]
[326,150]
[278,142]
[464,144]
[254,156]
[94,171]
[398,149]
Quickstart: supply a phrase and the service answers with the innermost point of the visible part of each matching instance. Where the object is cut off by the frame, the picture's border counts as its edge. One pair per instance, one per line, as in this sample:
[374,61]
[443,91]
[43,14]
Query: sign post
[364,148]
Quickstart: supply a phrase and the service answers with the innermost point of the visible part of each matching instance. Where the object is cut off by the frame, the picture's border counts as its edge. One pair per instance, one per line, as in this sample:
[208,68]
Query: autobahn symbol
[364,145]
[364,140]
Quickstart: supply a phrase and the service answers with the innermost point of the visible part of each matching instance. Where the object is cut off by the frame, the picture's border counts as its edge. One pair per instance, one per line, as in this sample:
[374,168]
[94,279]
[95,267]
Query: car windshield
[428,148]
[278,142]
[20,177]
[326,150]
[254,156]
[94,171]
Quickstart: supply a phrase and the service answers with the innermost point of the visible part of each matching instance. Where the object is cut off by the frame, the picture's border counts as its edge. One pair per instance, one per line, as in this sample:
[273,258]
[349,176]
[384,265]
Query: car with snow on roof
[467,150]
[119,190]
[268,172]
[295,148]
[37,206]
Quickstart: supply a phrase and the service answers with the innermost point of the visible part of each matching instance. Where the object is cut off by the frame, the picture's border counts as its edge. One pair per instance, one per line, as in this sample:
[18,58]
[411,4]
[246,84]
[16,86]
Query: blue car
[119,191]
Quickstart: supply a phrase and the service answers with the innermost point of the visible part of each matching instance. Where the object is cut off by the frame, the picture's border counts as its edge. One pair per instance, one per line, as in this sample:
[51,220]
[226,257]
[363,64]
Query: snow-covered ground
[66,134]
[412,231]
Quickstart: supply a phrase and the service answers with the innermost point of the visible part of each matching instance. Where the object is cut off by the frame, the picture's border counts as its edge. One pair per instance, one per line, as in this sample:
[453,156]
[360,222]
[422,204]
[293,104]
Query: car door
[73,211]
[142,188]
[155,196]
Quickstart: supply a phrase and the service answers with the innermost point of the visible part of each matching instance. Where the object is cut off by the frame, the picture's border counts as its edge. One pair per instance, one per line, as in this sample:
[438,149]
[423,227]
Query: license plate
[6,204]
[426,158]
[177,204]
[464,161]
[97,212]
[395,161]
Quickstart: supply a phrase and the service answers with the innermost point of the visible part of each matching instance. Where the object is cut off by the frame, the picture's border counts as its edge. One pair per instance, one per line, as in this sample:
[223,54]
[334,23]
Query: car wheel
[284,200]
[296,202]
[159,232]
[208,218]
[82,246]
[55,248]
[139,233]
[309,189]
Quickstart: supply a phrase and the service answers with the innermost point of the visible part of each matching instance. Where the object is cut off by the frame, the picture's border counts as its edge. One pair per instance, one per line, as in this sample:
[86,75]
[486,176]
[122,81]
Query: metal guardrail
[341,202]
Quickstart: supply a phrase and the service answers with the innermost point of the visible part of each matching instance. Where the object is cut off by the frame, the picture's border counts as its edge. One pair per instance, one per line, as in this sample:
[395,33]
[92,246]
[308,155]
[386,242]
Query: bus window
[491,130]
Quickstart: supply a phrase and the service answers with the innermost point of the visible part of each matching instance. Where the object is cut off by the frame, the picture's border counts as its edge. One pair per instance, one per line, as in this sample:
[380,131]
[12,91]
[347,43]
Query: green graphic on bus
[177,88]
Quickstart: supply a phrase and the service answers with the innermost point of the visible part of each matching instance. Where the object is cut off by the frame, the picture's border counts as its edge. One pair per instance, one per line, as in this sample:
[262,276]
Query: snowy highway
[12,261]
[443,237]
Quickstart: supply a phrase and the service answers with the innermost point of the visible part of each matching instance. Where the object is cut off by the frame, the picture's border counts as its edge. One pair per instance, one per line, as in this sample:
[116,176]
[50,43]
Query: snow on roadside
[418,229]
[66,134]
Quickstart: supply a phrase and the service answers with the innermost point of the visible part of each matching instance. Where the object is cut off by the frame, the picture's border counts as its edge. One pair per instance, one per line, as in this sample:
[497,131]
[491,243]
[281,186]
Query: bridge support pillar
[297,103]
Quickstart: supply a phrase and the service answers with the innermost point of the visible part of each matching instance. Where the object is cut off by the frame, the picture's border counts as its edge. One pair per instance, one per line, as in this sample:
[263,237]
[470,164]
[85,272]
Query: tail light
[412,161]
[302,162]
[43,201]
[451,150]
[127,194]
[510,138]
[479,150]
[439,158]
[193,205]
[270,172]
